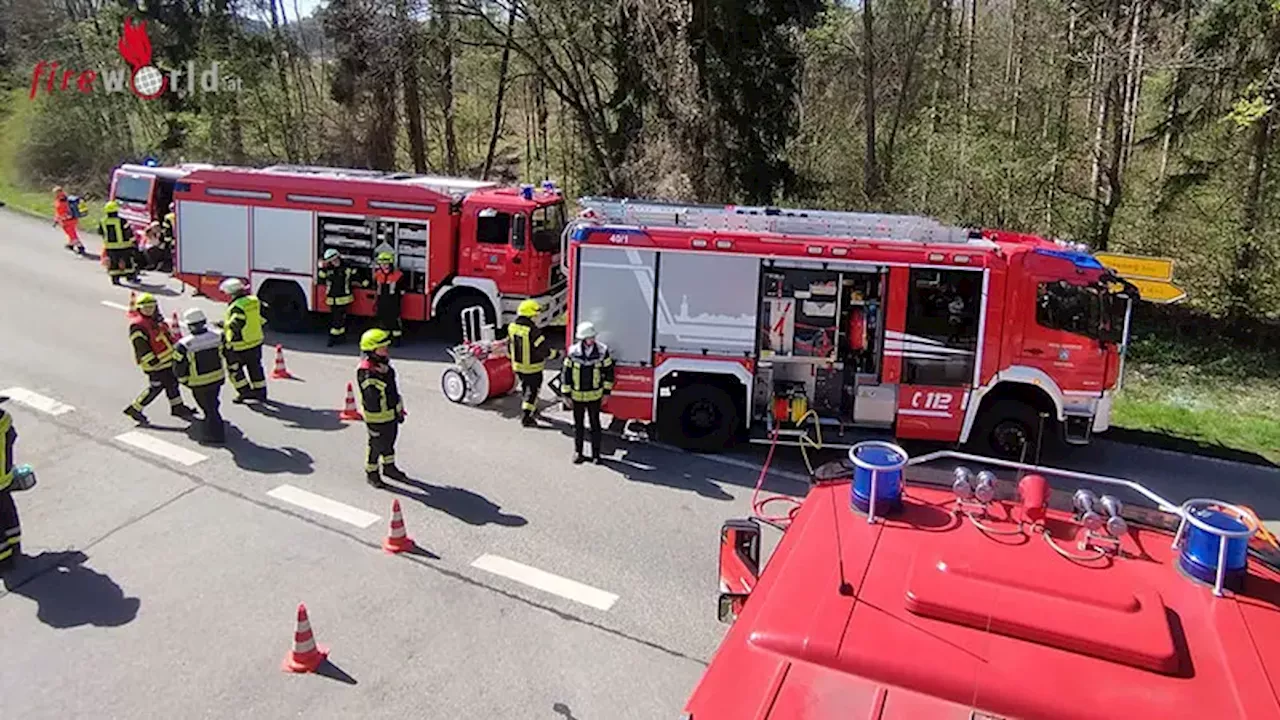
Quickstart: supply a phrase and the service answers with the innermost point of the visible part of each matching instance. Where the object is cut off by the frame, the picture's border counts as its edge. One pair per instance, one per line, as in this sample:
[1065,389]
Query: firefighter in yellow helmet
[118,243]
[586,380]
[529,351]
[152,343]
[381,404]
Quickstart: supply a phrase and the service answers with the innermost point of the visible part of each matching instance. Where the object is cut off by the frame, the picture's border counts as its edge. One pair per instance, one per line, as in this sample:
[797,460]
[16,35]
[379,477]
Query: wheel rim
[454,385]
[1010,437]
[701,418]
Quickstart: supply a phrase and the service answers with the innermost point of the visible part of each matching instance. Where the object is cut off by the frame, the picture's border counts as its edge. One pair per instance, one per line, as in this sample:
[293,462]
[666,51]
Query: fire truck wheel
[698,417]
[1007,428]
[452,316]
[285,307]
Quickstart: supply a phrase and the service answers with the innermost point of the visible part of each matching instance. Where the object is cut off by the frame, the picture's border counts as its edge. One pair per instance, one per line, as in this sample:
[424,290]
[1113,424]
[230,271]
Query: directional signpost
[1151,275]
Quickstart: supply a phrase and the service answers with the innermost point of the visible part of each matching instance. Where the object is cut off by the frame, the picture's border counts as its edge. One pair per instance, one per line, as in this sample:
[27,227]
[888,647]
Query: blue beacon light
[877,478]
[1213,543]
[526,192]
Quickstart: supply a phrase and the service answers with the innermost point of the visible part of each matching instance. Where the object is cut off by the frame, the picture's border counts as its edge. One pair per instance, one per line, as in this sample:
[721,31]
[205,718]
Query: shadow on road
[563,711]
[329,670]
[469,507]
[421,342]
[1184,445]
[68,594]
[296,416]
[248,455]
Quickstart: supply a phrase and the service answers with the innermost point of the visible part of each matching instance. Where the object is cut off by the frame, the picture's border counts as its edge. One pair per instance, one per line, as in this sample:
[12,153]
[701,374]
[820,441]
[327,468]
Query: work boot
[595,459]
[183,411]
[394,472]
[115,279]
[526,419]
[395,341]
[373,478]
[578,459]
[333,340]
[137,416]
[80,249]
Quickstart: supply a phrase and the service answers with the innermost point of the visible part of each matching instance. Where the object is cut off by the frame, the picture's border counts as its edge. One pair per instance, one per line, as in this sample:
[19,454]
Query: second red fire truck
[814,326]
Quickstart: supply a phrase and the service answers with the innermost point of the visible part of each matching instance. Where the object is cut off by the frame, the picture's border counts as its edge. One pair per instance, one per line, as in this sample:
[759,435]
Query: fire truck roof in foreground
[948,610]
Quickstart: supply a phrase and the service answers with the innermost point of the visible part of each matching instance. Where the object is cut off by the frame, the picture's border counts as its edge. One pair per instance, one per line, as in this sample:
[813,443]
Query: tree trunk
[1133,83]
[503,67]
[287,122]
[444,18]
[972,17]
[1015,62]
[1114,168]
[408,57]
[1171,120]
[1101,102]
[1064,116]
[870,172]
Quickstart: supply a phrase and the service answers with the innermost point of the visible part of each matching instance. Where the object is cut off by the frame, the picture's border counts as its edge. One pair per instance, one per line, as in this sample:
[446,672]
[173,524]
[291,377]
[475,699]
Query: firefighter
[153,351]
[529,352]
[159,252]
[117,241]
[66,219]
[10,525]
[383,409]
[242,330]
[198,363]
[586,379]
[388,283]
[338,284]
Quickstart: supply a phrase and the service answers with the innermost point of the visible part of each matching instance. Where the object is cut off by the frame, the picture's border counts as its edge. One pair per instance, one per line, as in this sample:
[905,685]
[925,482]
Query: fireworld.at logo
[142,78]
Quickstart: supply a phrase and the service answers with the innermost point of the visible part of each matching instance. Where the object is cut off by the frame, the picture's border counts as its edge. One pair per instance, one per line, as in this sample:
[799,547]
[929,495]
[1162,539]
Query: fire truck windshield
[132,188]
[548,226]
[1087,310]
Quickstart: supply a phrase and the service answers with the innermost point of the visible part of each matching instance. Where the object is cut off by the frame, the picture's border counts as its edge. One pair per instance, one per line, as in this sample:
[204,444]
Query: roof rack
[325,170]
[782,221]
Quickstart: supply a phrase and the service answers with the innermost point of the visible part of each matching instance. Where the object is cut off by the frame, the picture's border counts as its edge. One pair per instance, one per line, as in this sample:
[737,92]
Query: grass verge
[15,118]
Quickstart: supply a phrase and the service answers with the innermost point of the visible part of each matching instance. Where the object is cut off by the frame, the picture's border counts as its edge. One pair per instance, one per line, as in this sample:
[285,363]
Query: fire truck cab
[145,192]
[460,243]
[819,327]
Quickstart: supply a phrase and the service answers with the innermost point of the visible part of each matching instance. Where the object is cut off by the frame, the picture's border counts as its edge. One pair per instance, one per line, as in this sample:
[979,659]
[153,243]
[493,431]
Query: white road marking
[154,445]
[632,463]
[116,305]
[324,506]
[736,462]
[546,582]
[37,401]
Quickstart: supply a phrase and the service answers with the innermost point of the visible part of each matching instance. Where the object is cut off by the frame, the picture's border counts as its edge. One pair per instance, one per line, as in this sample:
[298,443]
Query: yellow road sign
[1138,266]
[1157,291]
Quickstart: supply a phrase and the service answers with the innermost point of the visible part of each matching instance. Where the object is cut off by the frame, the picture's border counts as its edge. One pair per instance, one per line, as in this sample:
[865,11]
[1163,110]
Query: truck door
[499,248]
[1061,337]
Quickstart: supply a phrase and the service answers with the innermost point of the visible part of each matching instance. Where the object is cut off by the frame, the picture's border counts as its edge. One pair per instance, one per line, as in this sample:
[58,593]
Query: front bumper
[555,308]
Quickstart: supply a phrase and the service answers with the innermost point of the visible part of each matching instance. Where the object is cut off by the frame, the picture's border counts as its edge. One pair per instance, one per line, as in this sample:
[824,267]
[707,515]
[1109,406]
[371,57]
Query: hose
[759,504]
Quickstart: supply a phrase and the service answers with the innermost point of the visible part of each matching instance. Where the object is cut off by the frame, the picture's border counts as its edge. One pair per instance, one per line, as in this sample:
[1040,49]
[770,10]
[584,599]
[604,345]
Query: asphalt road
[163,576]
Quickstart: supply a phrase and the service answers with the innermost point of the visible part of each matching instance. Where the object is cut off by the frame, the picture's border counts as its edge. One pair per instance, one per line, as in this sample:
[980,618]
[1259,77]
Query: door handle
[1034,351]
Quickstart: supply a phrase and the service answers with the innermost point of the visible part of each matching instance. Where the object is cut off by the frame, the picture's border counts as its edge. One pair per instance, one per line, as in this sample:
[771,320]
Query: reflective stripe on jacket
[337,284]
[198,360]
[244,323]
[527,347]
[152,344]
[379,396]
[8,436]
[114,235]
[587,373]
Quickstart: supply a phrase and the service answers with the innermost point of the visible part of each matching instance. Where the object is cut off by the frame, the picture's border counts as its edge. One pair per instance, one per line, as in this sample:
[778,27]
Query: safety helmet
[145,300]
[57,190]
[193,317]
[529,308]
[232,286]
[111,206]
[24,477]
[386,258]
[330,254]
[374,340]
[586,330]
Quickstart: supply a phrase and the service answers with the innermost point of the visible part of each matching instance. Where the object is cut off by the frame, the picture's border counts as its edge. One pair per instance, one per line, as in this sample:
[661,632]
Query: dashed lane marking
[324,506]
[156,446]
[546,582]
[37,401]
[116,305]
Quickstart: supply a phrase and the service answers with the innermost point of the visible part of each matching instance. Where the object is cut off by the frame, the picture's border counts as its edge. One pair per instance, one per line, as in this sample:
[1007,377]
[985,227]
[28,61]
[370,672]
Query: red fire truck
[460,243]
[145,192]
[727,321]
[958,587]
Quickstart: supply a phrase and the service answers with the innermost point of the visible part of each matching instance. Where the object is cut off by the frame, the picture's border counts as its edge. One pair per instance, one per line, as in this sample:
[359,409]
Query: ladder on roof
[782,221]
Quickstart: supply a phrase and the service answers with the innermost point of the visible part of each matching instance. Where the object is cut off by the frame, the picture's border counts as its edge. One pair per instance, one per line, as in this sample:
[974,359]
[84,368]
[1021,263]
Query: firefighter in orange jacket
[153,351]
[388,283]
[67,220]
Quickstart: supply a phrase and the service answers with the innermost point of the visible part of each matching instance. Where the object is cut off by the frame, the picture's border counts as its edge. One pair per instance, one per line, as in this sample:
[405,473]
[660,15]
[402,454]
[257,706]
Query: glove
[400,418]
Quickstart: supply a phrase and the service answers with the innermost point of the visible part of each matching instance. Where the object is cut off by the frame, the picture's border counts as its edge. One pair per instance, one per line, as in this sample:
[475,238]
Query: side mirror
[739,565]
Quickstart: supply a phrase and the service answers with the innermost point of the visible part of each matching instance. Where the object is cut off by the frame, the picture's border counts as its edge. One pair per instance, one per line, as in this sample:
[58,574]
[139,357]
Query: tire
[1004,429]
[701,418]
[451,320]
[454,385]
[286,308]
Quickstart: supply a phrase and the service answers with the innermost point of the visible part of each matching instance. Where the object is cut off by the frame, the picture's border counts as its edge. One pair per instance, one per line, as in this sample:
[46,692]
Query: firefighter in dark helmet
[529,351]
[339,283]
[586,379]
[152,344]
[388,284]
[381,404]
[118,242]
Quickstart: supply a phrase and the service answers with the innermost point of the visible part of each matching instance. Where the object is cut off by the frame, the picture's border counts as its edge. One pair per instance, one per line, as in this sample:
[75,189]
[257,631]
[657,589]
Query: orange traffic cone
[349,411]
[397,540]
[306,656]
[279,371]
[177,329]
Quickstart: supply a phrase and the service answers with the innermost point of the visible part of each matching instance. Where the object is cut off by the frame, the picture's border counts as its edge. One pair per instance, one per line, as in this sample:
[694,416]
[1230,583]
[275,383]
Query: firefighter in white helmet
[586,379]
[198,361]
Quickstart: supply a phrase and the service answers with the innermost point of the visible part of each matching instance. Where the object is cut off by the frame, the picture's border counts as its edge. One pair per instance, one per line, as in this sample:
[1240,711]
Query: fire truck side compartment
[290,233]
[615,291]
[215,239]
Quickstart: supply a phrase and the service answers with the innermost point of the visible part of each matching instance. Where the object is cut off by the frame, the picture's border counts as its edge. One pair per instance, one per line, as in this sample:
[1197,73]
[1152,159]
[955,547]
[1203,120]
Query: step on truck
[732,322]
[460,243]
[957,587]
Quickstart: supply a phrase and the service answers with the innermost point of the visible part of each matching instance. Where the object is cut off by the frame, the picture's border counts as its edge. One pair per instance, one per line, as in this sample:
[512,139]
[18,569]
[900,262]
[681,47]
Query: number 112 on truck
[767,324]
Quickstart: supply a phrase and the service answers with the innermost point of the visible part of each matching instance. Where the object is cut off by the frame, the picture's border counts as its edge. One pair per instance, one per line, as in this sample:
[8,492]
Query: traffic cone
[177,329]
[306,656]
[349,411]
[397,540]
[279,371]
